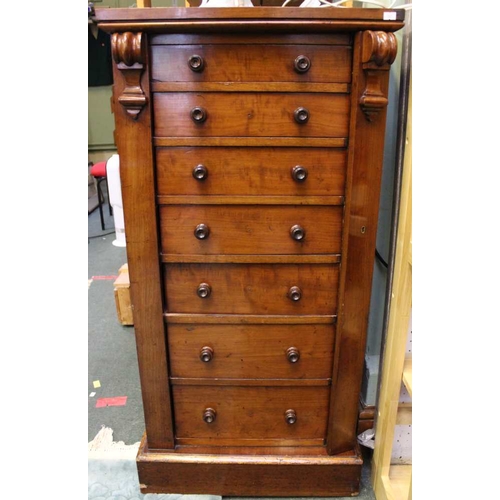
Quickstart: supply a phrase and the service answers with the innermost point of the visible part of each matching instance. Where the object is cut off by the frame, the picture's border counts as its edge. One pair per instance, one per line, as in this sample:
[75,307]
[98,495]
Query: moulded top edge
[265,14]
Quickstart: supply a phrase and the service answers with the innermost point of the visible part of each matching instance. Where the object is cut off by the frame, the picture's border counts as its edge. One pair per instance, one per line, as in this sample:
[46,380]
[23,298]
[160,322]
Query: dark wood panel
[251,171]
[235,229]
[251,412]
[252,289]
[253,259]
[251,351]
[251,63]
[309,142]
[245,39]
[252,382]
[235,114]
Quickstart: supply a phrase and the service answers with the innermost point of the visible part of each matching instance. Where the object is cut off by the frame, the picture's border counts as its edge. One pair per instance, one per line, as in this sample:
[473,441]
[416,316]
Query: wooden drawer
[251,171]
[252,288]
[251,351]
[235,114]
[250,412]
[251,63]
[252,229]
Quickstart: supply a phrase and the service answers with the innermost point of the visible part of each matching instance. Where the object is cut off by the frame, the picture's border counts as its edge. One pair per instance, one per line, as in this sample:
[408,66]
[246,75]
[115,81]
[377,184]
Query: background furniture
[98,171]
[251,203]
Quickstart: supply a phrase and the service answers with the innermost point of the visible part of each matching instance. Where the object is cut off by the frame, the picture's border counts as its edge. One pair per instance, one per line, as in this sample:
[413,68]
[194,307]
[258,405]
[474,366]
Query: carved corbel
[127,54]
[379,50]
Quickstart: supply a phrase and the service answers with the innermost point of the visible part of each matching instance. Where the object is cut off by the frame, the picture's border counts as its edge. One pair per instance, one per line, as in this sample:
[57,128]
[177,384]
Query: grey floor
[113,362]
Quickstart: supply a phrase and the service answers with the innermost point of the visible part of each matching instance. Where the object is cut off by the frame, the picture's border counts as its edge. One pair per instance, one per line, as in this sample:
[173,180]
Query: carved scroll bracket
[379,50]
[127,54]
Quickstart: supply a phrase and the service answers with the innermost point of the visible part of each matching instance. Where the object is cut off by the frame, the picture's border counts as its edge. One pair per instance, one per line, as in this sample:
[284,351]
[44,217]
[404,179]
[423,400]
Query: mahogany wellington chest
[250,143]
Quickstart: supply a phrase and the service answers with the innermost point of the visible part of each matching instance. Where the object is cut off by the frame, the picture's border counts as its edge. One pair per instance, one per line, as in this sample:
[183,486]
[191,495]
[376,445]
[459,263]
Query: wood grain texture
[249,200]
[257,471]
[252,382]
[243,38]
[134,142]
[253,259]
[365,156]
[251,351]
[234,114]
[251,171]
[250,229]
[251,412]
[249,319]
[261,63]
[310,142]
[252,289]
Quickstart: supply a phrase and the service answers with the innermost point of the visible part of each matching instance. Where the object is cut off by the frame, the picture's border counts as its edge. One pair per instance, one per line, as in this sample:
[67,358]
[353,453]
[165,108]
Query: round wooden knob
[202,231]
[295,293]
[292,354]
[200,172]
[206,354]
[196,63]
[204,290]
[290,417]
[298,233]
[299,174]
[209,415]
[198,115]
[302,64]
[301,115]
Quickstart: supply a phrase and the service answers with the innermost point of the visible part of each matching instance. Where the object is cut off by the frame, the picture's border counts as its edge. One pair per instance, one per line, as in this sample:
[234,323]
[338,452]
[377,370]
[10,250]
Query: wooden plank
[400,478]
[333,88]
[249,319]
[134,142]
[249,200]
[399,315]
[366,149]
[407,375]
[309,142]
[253,259]
[143,3]
[251,382]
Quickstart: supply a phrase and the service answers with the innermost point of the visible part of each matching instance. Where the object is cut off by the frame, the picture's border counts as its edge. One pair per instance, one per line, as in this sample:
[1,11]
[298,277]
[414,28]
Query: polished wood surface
[246,470]
[250,229]
[251,289]
[251,171]
[251,351]
[235,114]
[134,142]
[245,413]
[268,63]
[258,222]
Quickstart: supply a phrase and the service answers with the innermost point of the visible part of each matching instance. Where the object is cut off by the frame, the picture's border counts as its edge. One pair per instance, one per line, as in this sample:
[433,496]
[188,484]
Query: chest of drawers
[250,145]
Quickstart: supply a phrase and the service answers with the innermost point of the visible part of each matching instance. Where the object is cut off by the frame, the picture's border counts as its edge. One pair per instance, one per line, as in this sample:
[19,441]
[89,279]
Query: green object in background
[100,119]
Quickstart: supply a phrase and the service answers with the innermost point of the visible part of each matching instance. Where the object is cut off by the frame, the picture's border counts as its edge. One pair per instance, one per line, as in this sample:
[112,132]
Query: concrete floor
[113,362]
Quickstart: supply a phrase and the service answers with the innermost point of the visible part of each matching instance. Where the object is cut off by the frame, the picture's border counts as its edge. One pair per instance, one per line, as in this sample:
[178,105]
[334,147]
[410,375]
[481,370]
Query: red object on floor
[98,169]
[117,401]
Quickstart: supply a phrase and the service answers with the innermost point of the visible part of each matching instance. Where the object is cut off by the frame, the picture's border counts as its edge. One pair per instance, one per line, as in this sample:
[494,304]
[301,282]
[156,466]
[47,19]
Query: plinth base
[246,471]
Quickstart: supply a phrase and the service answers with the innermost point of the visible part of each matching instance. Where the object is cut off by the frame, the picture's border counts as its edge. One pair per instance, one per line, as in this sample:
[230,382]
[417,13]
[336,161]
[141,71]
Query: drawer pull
[204,290]
[196,63]
[295,293]
[301,115]
[198,115]
[206,354]
[202,231]
[200,172]
[299,174]
[302,64]
[292,354]
[209,415]
[298,233]
[290,417]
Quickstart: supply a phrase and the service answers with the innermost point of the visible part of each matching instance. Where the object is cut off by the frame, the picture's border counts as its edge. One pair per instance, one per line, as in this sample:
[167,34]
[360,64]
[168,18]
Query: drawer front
[250,412]
[251,63]
[235,114]
[251,171]
[252,288]
[251,351]
[252,229]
